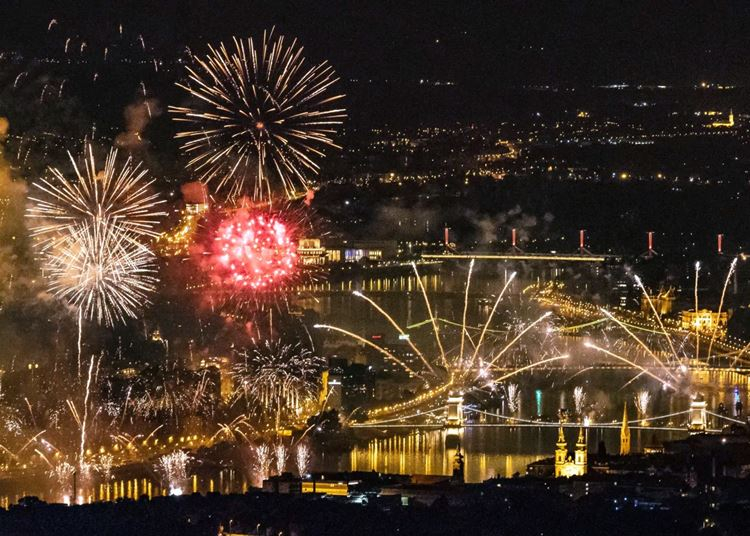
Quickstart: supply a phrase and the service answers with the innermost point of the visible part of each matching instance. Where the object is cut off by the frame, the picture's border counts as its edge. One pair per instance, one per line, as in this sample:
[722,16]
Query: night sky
[475,44]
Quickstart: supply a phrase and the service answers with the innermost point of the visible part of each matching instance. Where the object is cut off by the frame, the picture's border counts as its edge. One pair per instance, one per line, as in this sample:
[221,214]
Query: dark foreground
[477,510]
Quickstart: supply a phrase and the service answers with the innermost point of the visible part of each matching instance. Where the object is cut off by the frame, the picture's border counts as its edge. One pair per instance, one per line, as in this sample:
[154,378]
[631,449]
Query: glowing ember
[254,251]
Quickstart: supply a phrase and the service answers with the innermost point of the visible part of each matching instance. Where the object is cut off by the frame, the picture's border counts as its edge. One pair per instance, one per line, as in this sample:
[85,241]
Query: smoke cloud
[137,117]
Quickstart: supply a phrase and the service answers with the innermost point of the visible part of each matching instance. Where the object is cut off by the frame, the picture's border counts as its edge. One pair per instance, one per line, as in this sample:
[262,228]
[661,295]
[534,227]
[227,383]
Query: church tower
[561,453]
[625,433]
[581,453]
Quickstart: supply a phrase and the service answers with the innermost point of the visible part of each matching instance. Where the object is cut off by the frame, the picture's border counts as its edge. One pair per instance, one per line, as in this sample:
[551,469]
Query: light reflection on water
[489,452]
[505,451]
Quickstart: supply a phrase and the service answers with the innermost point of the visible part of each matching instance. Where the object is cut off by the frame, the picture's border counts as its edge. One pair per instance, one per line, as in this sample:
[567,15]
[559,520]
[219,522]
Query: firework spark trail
[258,111]
[228,430]
[490,317]
[398,328]
[302,459]
[525,368]
[38,453]
[466,307]
[82,448]
[383,351]
[695,291]
[631,380]
[656,315]
[579,398]
[435,329]
[80,338]
[639,341]
[517,337]
[631,363]
[721,305]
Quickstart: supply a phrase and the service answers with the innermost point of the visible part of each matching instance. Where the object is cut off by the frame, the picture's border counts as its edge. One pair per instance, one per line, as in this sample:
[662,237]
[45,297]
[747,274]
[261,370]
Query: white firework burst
[261,116]
[101,271]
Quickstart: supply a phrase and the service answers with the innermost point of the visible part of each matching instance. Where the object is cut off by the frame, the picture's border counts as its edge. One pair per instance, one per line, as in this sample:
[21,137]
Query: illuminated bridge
[521,256]
[692,420]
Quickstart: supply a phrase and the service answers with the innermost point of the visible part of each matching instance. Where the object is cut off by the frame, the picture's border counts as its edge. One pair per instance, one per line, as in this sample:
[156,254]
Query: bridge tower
[697,416]
[455,415]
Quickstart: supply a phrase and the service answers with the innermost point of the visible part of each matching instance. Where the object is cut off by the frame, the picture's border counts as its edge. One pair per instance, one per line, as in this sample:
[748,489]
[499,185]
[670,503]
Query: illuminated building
[339,489]
[663,302]
[310,252]
[567,465]
[724,124]
[625,432]
[373,250]
[705,321]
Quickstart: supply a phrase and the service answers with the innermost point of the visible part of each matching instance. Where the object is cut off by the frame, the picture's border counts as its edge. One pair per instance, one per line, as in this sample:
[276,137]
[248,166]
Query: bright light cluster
[254,251]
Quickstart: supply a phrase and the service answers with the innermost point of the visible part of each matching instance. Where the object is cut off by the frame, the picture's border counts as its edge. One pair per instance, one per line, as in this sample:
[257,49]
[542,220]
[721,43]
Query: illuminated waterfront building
[310,252]
[705,321]
[356,251]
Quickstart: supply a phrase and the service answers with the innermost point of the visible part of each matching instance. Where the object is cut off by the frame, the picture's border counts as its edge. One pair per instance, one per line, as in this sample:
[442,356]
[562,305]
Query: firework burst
[642,401]
[302,458]
[101,271]
[105,465]
[263,461]
[62,475]
[173,470]
[253,251]
[281,453]
[579,398]
[120,194]
[512,395]
[278,379]
[261,116]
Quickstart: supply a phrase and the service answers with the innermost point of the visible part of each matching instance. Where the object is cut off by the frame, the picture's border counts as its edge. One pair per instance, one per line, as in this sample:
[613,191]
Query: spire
[561,443]
[625,432]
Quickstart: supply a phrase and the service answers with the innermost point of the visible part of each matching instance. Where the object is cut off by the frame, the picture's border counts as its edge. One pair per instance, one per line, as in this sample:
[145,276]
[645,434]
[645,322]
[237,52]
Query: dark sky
[470,42]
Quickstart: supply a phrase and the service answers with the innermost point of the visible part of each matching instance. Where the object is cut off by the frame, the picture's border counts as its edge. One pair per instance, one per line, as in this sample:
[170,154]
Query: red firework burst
[254,251]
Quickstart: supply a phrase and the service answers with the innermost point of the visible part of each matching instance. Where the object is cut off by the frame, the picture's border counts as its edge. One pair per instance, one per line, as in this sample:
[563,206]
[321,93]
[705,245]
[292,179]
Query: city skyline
[296,267]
